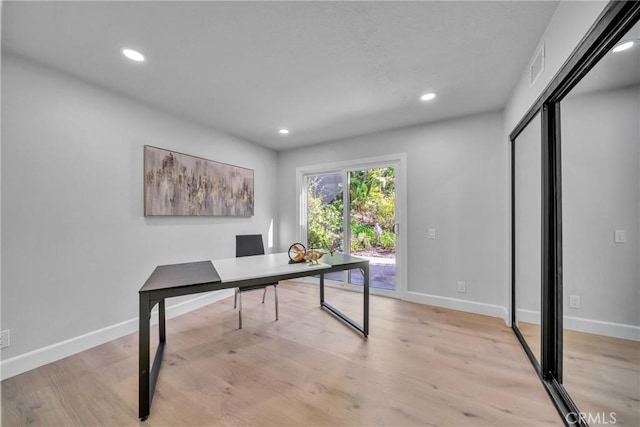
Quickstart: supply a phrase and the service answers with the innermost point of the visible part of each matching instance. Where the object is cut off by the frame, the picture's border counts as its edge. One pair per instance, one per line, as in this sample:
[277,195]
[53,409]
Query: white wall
[454,185]
[600,194]
[76,247]
[569,24]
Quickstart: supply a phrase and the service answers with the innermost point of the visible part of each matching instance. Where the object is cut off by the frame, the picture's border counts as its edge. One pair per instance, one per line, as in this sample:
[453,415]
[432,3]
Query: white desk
[173,280]
[262,266]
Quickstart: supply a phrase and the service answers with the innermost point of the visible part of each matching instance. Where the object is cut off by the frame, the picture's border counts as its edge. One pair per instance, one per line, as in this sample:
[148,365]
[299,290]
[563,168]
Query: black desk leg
[161,322]
[366,301]
[143,352]
[321,288]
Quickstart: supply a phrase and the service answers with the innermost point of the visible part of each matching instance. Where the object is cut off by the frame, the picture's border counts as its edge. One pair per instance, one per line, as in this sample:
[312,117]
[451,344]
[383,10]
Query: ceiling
[324,70]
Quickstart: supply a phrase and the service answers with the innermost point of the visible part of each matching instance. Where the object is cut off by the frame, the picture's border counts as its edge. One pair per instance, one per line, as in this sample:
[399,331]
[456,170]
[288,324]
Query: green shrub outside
[372,197]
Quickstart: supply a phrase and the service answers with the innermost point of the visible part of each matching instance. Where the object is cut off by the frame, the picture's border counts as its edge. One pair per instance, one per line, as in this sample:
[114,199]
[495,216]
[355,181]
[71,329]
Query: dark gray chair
[248,245]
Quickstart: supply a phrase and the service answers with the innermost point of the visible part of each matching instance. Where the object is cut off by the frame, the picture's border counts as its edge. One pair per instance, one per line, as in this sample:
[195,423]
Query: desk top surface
[176,275]
[252,267]
[237,269]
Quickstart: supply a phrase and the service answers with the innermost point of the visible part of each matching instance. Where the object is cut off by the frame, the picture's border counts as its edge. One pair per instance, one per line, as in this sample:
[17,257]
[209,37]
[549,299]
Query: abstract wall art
[177,184]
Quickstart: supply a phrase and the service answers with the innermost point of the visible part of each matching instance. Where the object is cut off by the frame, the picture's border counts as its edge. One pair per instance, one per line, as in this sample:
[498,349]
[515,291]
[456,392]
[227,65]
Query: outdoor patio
[382,274]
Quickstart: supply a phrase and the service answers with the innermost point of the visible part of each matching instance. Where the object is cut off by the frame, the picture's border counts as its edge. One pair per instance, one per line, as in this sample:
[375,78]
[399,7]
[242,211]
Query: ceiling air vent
[537,66]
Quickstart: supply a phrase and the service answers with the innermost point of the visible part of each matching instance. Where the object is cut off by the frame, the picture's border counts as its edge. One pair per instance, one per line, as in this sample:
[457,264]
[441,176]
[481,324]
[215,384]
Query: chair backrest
[249,244]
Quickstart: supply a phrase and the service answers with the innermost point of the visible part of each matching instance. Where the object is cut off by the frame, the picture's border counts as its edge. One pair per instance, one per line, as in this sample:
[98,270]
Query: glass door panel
[372,207]
[325,214]
[600,239]
[527,205]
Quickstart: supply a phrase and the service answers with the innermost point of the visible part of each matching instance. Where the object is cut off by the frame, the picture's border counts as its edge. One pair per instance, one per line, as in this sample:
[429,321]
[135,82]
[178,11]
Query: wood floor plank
[420,366]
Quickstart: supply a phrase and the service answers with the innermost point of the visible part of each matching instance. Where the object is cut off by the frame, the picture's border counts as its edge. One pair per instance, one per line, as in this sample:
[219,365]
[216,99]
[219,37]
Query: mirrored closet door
[600,158]
[527,226]
[588,260]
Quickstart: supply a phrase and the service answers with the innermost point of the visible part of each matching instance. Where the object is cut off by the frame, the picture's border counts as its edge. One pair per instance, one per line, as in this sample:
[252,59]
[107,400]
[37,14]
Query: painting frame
[179,184]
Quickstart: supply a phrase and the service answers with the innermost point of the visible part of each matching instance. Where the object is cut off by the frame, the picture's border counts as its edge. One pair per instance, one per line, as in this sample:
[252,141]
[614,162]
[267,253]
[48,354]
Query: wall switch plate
[431,233]
[620,236]
[462,287]
[574,301]
[4,338]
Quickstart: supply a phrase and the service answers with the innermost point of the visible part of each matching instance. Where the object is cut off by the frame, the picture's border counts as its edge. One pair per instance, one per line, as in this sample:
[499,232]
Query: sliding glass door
[353,209]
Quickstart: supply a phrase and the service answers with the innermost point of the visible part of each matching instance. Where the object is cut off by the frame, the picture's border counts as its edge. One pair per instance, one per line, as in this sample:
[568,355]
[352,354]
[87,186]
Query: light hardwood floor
[421,366]
[601,374]
[531,334]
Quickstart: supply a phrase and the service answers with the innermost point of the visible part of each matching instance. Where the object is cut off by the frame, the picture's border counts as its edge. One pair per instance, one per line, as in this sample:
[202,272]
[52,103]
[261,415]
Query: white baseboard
[589,326]
[528,316]
[598,327]
[42,356]
[460,305]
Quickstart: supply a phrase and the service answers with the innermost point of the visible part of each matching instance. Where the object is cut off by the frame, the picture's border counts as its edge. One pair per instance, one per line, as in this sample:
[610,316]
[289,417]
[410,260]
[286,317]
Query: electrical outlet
[4,338]
[431,233]
[620,236]
[462,287]
[574,301]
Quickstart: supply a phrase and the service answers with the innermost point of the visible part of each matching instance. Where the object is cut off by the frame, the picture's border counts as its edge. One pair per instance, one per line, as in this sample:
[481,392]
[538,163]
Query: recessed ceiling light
[133,55]
[623,46]
[284,131]
[428,96]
